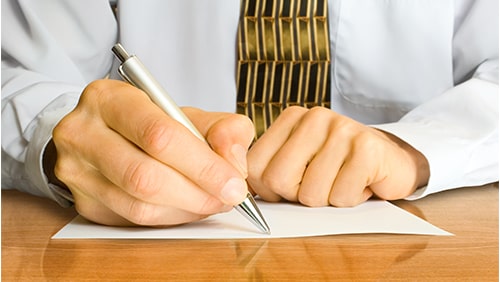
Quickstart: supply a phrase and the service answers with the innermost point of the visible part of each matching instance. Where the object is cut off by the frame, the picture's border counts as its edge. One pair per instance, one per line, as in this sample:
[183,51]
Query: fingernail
[240,155]
[234,191]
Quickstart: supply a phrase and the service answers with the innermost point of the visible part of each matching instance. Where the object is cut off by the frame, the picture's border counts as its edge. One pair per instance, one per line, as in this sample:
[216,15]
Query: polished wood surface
[28,253]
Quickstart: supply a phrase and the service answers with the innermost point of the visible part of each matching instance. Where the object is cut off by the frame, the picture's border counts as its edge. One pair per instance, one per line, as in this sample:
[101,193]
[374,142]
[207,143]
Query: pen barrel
[136,74]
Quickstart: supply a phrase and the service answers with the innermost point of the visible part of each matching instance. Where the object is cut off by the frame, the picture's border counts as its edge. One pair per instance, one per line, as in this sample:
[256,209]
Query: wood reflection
[471,214]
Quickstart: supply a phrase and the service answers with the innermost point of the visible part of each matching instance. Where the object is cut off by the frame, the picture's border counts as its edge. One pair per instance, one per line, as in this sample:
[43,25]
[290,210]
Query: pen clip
[123,74]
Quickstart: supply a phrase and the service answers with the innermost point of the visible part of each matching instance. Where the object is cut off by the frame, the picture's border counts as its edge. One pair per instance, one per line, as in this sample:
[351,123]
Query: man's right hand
[127,162]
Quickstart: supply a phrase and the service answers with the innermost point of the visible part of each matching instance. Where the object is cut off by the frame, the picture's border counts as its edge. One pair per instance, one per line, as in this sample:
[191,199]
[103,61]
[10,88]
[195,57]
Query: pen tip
[249,209]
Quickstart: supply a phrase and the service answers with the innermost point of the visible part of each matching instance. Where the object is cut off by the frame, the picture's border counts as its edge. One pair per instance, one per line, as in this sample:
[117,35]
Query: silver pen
[135,73]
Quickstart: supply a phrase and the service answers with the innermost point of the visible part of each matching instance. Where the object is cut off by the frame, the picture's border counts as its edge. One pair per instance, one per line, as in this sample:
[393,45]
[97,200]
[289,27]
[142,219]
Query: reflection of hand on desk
[471,214]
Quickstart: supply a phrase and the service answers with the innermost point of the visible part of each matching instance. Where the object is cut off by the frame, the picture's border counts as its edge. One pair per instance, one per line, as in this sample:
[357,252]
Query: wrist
[418,161]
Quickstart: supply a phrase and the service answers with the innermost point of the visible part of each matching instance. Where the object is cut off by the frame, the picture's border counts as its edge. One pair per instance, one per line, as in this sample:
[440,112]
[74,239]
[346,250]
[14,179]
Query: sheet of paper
[286,220]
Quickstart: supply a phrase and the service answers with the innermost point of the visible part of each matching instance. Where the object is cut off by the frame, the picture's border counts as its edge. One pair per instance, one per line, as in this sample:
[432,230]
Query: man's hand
[318,157]
[127,162]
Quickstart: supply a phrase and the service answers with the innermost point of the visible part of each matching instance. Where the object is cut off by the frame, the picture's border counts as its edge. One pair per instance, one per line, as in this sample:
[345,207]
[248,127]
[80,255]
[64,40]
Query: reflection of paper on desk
[285,220]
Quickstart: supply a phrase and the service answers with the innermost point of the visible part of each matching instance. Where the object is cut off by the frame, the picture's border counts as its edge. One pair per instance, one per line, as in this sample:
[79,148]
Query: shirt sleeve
[458,134]
[458,131]
[49,53]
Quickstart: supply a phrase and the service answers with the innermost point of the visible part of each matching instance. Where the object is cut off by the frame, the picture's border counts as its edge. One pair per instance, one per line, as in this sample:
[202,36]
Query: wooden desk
[29,254]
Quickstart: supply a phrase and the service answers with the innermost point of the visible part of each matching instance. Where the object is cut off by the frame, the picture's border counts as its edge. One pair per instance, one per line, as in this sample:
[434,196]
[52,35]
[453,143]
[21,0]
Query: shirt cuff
[34,156]
[458,134]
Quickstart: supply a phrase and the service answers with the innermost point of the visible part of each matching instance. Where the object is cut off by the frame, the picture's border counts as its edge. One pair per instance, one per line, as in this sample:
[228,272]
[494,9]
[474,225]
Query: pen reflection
[350,257]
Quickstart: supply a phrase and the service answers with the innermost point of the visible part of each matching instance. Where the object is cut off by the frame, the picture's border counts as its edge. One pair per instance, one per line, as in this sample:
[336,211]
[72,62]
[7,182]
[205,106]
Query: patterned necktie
[283,58]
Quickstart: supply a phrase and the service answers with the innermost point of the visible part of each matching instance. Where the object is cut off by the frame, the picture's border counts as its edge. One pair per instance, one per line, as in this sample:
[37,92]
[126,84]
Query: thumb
[229,135]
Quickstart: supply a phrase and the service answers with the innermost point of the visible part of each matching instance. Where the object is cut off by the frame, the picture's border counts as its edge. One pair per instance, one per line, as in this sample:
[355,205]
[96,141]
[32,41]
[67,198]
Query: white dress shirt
[424,70]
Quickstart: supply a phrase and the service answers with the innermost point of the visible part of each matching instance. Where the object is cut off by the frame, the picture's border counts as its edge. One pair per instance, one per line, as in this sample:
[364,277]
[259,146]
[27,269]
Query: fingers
[316,157]
[336,177]
[229,135]
[350,186]
[145,178]
[119,176]
[110,205]
[128,162]
[290,163]
[262,153]
[321,173]
[145,125]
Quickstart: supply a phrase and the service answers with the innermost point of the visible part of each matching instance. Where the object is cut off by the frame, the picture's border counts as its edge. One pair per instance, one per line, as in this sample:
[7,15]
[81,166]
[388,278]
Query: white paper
[286,220]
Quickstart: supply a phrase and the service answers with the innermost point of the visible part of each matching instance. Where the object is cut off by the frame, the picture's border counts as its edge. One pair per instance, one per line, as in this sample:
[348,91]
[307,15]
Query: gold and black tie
[283,58]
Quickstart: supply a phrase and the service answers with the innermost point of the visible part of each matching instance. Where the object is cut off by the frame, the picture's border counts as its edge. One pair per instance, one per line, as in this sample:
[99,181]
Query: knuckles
[96,92]
[234,121]
[292,111]
[157,136]
[139,179]
[67,171]
[142,213]
[281,186]
[211,169]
